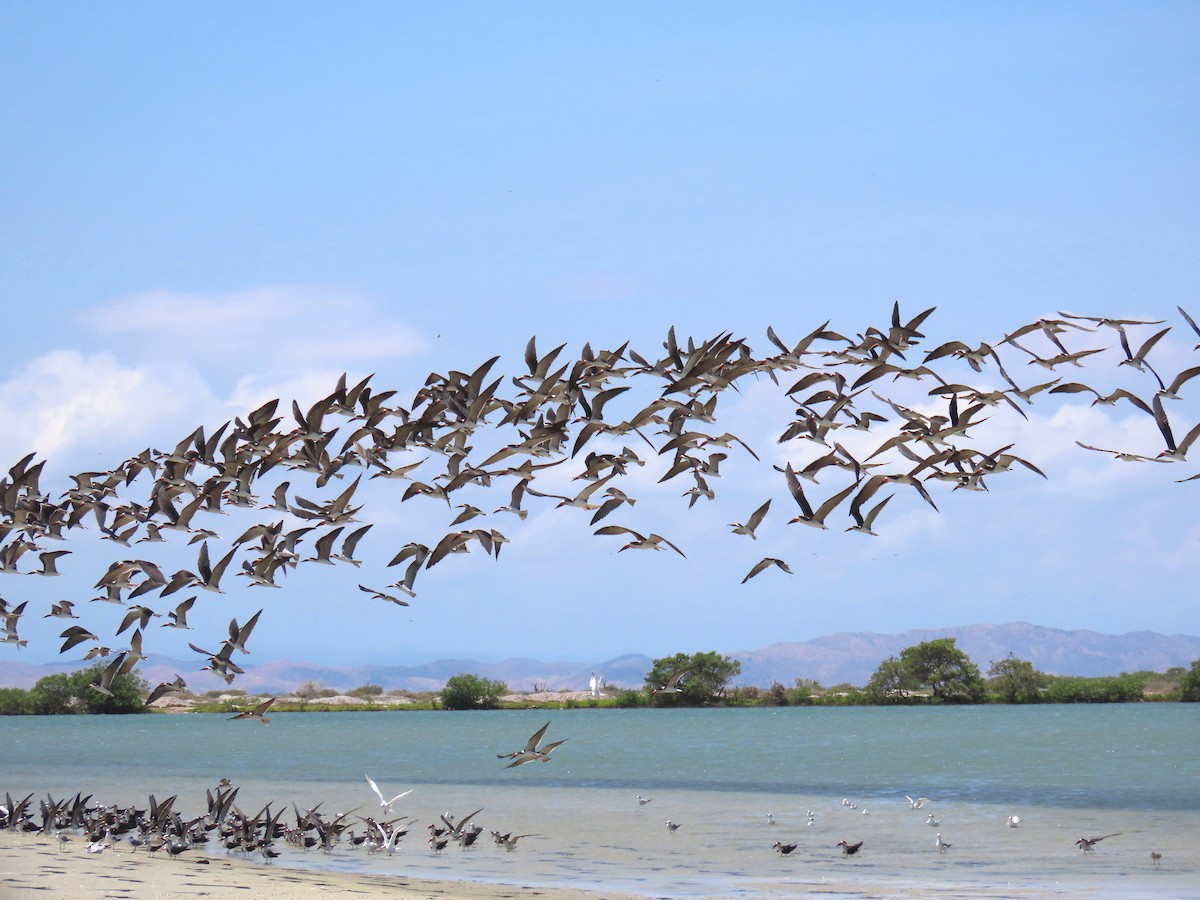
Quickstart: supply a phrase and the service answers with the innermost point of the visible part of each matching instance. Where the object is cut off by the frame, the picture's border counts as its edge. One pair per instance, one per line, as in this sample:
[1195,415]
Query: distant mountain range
[832,659]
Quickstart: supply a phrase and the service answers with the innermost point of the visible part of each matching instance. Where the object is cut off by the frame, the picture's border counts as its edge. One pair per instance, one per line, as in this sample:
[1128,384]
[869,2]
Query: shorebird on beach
[672,827]
[1088,845]
[932,821]
[784,849]
[642,801]
[1155,857]
[849,849]
[1014,821]
[917,803]
[940,844]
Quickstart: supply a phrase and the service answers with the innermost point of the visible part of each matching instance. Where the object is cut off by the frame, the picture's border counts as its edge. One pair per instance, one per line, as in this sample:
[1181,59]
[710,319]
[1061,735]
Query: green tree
[1016,680]
[1105,689]
[466,691]
[15,702]
[940,666]
[891,683]
[53,696]
[701,678]
[73,693]
[1189,684]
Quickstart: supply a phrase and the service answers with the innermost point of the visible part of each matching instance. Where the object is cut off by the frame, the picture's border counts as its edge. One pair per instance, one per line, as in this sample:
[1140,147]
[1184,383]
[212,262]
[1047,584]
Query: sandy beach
[34,867]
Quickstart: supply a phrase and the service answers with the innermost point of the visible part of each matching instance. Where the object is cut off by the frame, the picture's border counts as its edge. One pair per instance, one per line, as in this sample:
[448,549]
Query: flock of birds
[160,826]
[573,422]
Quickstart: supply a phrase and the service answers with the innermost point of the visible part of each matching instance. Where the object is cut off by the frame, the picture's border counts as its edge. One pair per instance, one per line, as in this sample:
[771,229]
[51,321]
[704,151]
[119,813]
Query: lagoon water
[1067,771]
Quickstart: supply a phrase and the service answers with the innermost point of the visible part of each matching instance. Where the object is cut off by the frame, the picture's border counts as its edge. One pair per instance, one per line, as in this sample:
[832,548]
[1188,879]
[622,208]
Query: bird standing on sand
[784,849]
[940,844]
[642,801]
[1014,821]
[672,827]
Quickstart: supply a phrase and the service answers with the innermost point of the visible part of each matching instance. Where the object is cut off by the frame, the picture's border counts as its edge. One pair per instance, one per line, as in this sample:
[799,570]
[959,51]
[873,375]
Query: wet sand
[32,867]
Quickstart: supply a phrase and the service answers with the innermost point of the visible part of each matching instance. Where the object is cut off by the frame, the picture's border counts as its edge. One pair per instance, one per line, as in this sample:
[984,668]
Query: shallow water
[1066,771]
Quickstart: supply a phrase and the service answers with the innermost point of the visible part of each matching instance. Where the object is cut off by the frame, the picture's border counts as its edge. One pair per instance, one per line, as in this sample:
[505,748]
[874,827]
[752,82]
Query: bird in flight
[531,751]
[256,713]
[384,804]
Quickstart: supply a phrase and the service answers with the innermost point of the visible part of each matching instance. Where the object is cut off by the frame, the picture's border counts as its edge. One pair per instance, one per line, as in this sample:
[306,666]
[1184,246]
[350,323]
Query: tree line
[931,672]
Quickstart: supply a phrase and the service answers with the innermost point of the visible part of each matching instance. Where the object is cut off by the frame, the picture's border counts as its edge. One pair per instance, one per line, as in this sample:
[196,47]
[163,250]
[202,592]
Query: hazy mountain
[853,657]
[832,659]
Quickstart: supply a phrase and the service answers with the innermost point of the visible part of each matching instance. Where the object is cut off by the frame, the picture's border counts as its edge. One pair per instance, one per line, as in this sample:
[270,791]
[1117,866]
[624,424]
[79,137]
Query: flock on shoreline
[565,421]
[79,823]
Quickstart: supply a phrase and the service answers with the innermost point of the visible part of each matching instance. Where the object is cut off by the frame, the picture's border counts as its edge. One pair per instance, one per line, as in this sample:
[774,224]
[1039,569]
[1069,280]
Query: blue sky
[209,206]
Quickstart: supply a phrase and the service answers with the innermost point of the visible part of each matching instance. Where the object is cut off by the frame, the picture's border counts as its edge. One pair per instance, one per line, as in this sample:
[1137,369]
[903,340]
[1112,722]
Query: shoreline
[34,867]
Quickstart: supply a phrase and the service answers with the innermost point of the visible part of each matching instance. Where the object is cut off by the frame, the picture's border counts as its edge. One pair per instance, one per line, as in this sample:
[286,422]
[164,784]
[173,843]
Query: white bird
[932,821]
[940,844]
[917,803]
[385,805]
[1014,821]
[672,827]
[770,818]
[642,801]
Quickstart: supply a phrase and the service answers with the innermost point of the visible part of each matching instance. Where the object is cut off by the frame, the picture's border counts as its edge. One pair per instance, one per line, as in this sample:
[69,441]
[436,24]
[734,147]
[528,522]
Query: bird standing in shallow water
[849,849]
[784,849]
[672,827]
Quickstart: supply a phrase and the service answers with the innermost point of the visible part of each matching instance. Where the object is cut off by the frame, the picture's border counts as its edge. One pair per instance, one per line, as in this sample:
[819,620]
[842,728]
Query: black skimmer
[784,849]
[752,523]
[849,849]
[257,713]
[1088,845]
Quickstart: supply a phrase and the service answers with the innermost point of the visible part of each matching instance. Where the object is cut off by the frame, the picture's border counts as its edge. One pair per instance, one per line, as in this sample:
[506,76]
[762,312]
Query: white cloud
[91,406]
[278,326]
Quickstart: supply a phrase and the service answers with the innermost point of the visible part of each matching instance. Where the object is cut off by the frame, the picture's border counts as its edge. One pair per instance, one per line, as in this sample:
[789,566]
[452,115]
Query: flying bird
[256,713]
[384,804]
[765,563]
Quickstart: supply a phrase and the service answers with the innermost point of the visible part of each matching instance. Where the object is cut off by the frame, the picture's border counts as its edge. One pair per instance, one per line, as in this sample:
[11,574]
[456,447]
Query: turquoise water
[1130,768]
[1133,756]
